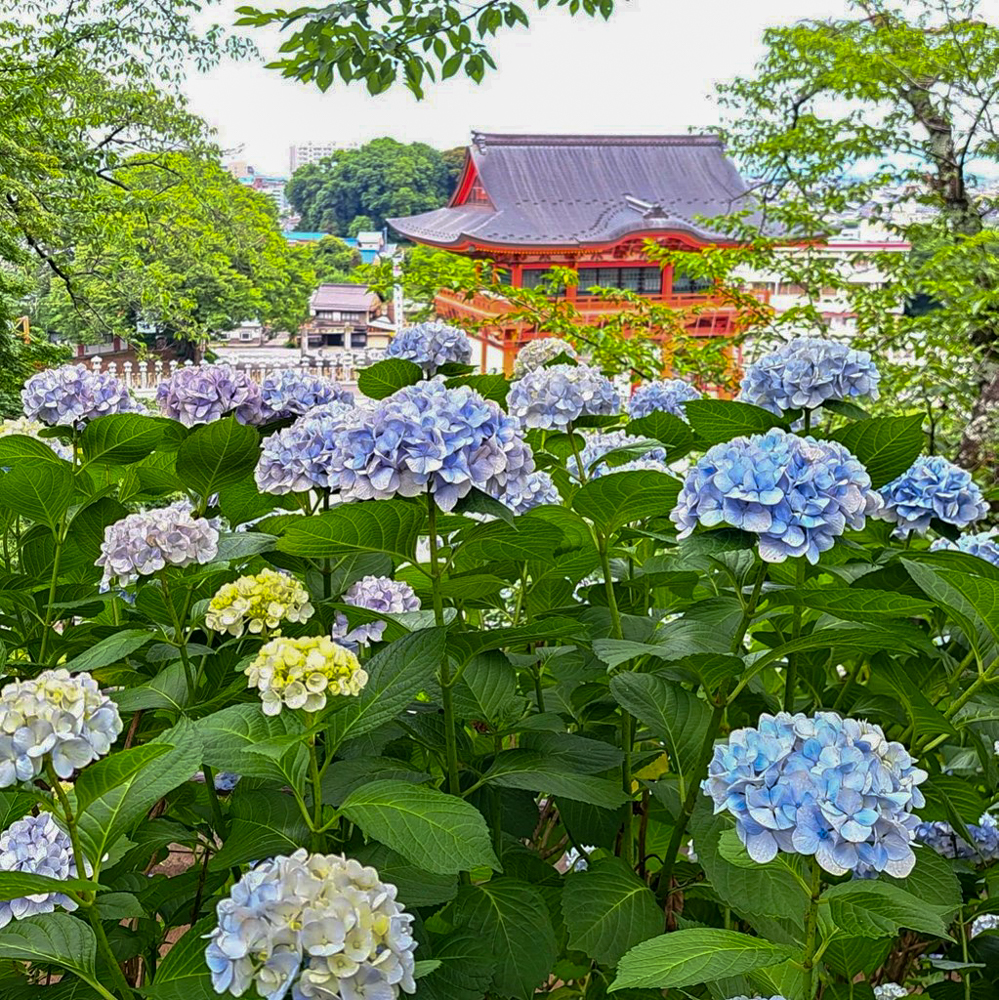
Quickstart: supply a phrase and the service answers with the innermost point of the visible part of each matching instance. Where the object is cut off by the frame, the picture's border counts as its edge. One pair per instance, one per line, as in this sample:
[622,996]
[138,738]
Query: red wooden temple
[528,202]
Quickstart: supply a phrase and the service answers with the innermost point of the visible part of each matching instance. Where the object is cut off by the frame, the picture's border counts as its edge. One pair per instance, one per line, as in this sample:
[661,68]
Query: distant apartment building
[269,184]
[302,153]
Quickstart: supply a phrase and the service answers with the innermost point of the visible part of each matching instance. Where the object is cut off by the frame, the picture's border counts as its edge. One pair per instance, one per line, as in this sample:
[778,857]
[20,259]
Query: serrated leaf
[39,492]
[487,688]
[619,498]
[15,884]
[19,449]
[886,446]
[717,420]
[669,430]
[52,937]
[869,908]
[465,971]
[230,736]
[343,776]
[121,438]
[530,539]
[417,886]
[113,649]
[388,376]
[531,770]
[438,832]
[262,824]
[855,605]
[217,454]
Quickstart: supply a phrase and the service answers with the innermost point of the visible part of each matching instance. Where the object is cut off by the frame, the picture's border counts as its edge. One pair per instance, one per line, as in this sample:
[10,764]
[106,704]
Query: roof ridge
[483,140]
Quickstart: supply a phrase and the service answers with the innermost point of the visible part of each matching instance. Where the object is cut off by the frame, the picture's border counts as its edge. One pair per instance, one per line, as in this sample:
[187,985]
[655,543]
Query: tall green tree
[334,261]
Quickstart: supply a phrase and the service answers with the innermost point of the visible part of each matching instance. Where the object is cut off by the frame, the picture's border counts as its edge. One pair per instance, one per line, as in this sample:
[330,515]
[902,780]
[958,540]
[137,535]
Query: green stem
[791,676]
[985,677]
[179,639]
[539,693]
[616,630]
[317,791]
[53,583]
[627,744]
[218,820]
[811,928]
[121,984]
[70,820]
[575,453]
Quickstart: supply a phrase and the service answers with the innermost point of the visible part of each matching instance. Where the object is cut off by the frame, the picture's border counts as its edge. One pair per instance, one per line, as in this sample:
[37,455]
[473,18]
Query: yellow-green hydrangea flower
[300,673]
[258,604]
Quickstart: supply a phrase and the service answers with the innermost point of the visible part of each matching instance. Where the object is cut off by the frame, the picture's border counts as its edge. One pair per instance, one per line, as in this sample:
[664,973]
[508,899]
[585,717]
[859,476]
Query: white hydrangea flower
[258,604]
[64,716]
[322,925]
[300,673]
[537,353]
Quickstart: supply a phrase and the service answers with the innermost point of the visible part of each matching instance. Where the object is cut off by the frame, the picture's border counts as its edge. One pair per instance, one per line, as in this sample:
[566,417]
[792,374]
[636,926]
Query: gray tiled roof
[574,190]
[348,298]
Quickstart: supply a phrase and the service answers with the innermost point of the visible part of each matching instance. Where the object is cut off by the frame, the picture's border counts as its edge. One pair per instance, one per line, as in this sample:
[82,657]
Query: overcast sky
[651,68]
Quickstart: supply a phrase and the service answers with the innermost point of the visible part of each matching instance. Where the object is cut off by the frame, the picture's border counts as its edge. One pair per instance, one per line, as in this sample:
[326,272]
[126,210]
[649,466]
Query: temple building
[528,202]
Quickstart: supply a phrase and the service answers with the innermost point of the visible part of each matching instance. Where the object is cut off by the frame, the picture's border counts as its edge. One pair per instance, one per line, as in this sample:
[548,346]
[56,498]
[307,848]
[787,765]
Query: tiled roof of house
[344,298]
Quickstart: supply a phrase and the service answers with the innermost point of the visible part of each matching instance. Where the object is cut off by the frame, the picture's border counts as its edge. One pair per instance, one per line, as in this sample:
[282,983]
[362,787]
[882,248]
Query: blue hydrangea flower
[552,398]
[315,925]
[597,444]
[799,495]
[374,593]
[986,922]
[537,353]
[824,786]
[71,395]
[429,437]
[945,840]
[431,345]
[199,394]
[534,490]
[890,991]
[933,488]
[808,372]
[985,545]
[292,392]
[644,464]
[666,395]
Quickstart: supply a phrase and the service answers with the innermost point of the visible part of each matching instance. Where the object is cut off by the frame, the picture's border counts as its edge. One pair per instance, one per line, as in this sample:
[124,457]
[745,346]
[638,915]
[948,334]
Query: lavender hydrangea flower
[535,490]
[374,593]
[292,393]
[33,428]
[321,926]
[71,395]
[431,345]
[552,398]
[56,715]
[945,840]
[146,542]
[666,395]
[37,846]
[537,353]
[932,488]
[799,495]
[199,394]
[808,372]
[824,786]
[986,922]
[985,545]
[429,437]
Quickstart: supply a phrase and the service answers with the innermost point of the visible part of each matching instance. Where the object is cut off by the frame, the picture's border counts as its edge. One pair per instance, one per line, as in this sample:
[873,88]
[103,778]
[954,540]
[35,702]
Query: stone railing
[142,377]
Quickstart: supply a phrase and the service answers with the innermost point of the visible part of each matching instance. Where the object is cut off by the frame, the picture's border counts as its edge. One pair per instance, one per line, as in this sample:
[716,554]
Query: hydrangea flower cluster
[431,345]
[148,541]
[321,925]
[945,840]
[986,922]
[984,544]
[808,372]
[796,493]
[301,457]
[600,443]
[258,604]
[375,593]
[291,393]
[537,353]
[933,488]
[666,395]
[300,673]
[71,395]
[643,464]
[429,437]
[55,714]
[824,786]
[552,398]
[534,490]
[199,394]
[37,846]
[31,428]
[890,991]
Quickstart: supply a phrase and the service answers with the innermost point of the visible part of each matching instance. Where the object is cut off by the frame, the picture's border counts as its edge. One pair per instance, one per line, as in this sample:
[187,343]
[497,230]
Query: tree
[375,41]
[383,178]
[360,224]
[334,261]
[454,160]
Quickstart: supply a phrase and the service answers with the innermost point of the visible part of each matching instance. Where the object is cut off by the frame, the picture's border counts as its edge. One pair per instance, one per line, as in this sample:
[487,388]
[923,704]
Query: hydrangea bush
[475,690]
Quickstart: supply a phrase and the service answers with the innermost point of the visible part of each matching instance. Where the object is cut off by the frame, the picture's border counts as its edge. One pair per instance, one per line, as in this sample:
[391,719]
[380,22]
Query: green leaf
[700,955]
[855,605]
[121,438]
[217,454]
[39,492]
[19,449]
[511,918]
[182,973]
[529,539]
[477,502]
[886,446]
[262,824]
[531,770]
[385,377]
[242,501]
[229,738]
[238,546]
[466,969]
[672,714]
[465,645]
[717,420]
[487,690]
[52,937]
[494,387]
[417,886]
[932,880]
[608,910]
[869,908]
[438,832]
[391,526]
[618,498]
[343,776]
[672,432]
[168,689]
[13,885]
[113,649]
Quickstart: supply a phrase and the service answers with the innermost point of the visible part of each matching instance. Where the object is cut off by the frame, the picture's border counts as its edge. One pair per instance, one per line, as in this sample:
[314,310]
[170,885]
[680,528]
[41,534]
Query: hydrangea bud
[375,593]
[258,604]
[322,926]
[931,488]
[143,543]
[824,786]
[431,345]
[665,395]
[552,398]
[37,846]
[984,544]
[292,393]
[300,673]
[808,372]
[799,495]
[199,394]
[57,715]
[537,353]
[71,395]
[33,429]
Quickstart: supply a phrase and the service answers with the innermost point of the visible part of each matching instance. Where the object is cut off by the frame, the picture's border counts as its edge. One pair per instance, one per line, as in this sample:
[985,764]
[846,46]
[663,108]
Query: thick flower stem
[811,930]
[581,472]
[53,584]
[179,640]
[791,674]
[121,984]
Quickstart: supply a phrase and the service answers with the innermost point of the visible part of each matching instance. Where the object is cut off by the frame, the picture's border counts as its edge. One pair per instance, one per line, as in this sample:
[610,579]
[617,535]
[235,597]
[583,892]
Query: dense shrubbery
[338,701]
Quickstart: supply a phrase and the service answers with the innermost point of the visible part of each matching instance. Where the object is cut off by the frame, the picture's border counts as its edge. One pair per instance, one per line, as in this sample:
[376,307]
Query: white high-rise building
[301,153]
